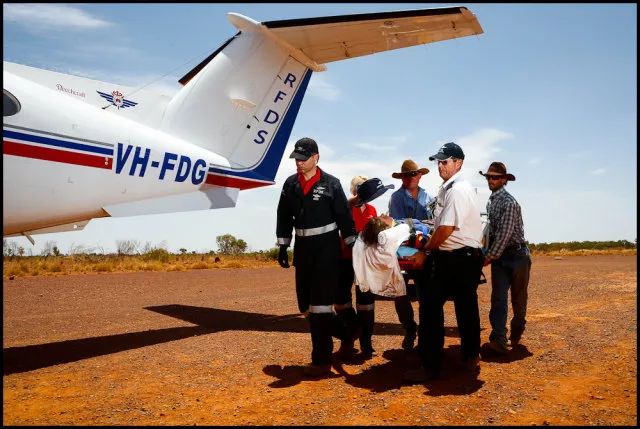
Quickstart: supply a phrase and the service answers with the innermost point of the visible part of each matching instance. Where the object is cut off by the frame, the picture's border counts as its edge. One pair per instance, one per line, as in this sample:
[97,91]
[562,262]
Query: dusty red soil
[226,347]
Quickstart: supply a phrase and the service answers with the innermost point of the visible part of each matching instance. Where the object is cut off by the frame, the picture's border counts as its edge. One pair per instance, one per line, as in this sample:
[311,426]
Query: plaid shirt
[505,222]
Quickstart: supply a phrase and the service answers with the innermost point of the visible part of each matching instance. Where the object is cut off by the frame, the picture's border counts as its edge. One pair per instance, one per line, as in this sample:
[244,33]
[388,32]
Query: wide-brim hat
[499,169]
[369,190]
[409,168]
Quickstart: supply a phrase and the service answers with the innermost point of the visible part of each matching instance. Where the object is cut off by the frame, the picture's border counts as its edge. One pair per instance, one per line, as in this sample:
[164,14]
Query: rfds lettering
[272,116]
[172,166]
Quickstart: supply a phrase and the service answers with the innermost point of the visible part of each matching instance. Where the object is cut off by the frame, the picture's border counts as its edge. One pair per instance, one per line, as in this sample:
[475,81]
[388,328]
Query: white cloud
[383,144]
[479,149]
[598,171]
[321,88]
[555,215]
[51,16]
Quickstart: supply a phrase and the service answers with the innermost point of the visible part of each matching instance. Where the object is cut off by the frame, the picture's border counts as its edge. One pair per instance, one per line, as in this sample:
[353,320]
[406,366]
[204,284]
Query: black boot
[321,340]
[405,315]
[367,320]
[345,328]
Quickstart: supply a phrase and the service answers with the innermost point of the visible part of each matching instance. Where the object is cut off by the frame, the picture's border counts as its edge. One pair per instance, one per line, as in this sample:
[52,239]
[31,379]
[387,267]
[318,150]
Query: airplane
[75,149]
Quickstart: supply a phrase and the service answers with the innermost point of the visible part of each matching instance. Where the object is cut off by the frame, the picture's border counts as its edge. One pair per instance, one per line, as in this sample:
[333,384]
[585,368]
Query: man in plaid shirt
[509,257]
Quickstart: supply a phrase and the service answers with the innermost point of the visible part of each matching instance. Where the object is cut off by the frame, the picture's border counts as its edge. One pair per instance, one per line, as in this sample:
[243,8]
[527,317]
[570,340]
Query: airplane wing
[73,226]
[334,38]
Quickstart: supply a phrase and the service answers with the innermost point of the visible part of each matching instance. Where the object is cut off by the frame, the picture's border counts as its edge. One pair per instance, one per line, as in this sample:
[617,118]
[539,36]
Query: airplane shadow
[208,321]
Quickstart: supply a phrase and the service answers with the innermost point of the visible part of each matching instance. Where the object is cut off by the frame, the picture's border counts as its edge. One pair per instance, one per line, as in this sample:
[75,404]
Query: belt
[308,232]
[458,251]
[514,248]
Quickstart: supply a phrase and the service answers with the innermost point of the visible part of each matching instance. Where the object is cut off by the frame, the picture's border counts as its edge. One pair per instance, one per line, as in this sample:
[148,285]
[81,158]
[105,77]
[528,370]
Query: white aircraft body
[76,149]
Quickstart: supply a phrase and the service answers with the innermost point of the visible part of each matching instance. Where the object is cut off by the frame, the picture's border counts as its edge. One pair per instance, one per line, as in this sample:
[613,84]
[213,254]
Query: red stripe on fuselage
[233,182]
[47,154]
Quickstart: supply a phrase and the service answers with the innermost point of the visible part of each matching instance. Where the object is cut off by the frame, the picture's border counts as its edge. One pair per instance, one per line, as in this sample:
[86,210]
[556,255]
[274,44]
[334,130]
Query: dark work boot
[345,328]
[321,340]
[345,324]
[405,315]
[367,320]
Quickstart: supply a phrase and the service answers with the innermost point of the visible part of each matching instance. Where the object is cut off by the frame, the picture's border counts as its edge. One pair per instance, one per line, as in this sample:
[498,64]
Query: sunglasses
[495,177]
[444,161]
[411,174]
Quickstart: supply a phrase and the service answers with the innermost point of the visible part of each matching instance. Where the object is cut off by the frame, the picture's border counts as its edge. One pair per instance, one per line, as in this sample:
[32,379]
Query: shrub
[103,266]
[54,268]
[200,266]
[273,253]
[233,264]
[160,255]
[229,245]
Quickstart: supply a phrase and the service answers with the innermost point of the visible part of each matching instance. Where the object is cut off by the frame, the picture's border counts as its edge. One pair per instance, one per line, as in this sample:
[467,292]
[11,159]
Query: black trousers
[317,263]
[455,274]
[352,324]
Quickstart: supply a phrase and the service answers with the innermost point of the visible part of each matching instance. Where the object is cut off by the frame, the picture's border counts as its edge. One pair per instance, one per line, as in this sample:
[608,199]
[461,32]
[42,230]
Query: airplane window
[10,104]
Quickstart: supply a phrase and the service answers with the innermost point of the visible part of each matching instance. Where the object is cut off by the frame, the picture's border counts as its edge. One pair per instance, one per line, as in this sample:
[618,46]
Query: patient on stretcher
[377,250]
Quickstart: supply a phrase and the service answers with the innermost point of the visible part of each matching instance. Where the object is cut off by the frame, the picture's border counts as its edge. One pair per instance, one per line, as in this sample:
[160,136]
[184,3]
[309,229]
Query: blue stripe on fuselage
[55,142]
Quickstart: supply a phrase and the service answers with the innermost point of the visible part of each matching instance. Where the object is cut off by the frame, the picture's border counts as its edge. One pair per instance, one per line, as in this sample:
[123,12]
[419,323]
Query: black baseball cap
[304,148]
[448,150]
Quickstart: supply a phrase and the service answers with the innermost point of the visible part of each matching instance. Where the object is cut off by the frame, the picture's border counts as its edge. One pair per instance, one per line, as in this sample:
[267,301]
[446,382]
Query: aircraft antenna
[183,64]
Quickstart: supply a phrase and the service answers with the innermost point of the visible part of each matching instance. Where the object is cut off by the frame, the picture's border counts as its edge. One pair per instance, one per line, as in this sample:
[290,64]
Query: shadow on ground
[387,376]
[208,321]
[518,352]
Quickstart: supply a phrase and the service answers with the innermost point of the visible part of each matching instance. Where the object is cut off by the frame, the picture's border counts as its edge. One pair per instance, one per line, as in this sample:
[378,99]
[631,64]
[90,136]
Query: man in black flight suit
[314,203]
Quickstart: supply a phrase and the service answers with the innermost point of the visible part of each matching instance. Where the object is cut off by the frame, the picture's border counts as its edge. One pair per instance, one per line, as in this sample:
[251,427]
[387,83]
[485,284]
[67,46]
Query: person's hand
[487,261]
[283,257]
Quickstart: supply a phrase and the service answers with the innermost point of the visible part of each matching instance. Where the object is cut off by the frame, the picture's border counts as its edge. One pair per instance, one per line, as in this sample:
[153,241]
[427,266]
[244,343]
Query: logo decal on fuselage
[117,99]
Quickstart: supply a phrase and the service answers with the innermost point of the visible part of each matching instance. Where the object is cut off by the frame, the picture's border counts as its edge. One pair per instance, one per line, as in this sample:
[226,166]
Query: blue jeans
[509,271]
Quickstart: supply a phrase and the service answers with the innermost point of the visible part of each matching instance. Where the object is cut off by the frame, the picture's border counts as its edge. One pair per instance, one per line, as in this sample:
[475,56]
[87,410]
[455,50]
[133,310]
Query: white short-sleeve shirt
[458,206]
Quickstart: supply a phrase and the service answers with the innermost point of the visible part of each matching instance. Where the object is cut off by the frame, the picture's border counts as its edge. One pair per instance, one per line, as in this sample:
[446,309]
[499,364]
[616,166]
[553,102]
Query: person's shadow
[388,376]
[517,352]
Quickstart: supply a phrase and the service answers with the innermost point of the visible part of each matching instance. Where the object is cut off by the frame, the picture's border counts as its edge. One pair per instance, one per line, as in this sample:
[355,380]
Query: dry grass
[77,264]
[586,252]
[162,261]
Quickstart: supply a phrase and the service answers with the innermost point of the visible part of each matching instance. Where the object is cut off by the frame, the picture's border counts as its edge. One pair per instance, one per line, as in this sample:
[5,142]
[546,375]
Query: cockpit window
[10,104]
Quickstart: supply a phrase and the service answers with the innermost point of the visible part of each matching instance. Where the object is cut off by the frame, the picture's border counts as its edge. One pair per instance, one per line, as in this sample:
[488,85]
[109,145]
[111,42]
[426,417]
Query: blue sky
[548,89]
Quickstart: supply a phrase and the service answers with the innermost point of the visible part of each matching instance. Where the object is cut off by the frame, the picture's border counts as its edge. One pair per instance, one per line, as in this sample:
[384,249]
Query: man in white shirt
[457,256]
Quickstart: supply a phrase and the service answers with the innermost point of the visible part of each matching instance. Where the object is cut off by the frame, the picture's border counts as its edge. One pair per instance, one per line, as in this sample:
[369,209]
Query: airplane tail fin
[241,103]
[262,73]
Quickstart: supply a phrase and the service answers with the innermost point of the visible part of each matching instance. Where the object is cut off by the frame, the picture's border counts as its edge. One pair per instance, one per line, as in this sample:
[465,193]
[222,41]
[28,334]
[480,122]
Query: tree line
[583,245]
[230,245]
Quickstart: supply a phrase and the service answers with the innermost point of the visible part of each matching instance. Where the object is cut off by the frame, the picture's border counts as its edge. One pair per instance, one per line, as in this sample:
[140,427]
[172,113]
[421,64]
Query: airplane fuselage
[72,159]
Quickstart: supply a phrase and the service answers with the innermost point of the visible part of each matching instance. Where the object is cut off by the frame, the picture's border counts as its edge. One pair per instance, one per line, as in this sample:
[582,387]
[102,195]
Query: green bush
[229,245]
[272,253]
[160,255]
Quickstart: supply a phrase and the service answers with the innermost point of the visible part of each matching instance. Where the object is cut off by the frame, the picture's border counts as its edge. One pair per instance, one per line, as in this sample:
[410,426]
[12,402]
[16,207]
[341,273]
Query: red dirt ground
[225,347]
